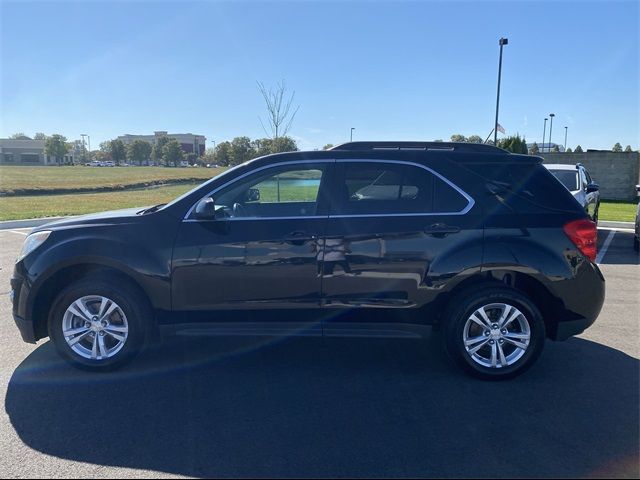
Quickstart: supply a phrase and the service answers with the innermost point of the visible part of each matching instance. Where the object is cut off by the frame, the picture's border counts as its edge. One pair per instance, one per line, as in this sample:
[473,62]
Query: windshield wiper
[155,208]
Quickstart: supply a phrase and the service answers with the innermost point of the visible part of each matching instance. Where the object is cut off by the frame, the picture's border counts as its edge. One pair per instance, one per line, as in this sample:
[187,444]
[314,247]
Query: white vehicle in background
[577,180]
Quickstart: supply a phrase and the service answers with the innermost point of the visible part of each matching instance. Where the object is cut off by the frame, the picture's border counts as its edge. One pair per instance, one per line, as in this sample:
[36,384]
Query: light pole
[85,135]
[352,129]
[544,133]
[502,42]
[551,128]
[565,138]
[84,148]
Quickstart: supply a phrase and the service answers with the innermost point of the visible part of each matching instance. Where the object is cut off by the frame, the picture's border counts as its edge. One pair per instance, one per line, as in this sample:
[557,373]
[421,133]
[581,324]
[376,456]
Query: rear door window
[380,188]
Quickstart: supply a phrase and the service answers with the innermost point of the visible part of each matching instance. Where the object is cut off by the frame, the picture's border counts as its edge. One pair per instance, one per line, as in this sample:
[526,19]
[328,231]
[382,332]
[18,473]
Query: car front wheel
[97,324]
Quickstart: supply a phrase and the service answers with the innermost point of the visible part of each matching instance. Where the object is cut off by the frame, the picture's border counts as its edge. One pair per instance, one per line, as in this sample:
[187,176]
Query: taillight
[584,234]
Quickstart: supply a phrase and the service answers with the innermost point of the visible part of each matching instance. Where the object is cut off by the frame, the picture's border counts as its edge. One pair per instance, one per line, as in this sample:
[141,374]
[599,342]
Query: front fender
[148,267]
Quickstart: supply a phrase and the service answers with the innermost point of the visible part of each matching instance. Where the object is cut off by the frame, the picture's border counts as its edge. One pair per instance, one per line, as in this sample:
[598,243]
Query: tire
[527,325]
[114,338]
[636,244]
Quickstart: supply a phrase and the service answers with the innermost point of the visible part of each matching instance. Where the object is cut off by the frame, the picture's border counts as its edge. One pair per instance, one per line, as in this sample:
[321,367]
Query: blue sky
[393,70]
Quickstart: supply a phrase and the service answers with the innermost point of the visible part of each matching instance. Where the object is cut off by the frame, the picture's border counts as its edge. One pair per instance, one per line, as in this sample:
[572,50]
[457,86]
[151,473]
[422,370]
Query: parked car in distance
[577,180]
[636,236]
[374,239]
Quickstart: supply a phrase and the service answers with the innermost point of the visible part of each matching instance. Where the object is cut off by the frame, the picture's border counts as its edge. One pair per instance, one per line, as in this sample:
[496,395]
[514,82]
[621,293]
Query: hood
[126,215]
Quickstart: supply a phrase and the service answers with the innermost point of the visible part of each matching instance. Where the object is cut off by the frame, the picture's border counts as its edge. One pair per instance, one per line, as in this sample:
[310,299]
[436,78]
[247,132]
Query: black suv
[366,239]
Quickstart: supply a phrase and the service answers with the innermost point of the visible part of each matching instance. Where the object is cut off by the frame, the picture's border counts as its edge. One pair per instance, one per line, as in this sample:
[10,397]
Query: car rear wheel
[98,324]
[494,333]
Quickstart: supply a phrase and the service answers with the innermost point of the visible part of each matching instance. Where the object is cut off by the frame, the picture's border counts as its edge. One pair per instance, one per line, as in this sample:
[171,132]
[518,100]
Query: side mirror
[205,209]
[252,195]
[593,187]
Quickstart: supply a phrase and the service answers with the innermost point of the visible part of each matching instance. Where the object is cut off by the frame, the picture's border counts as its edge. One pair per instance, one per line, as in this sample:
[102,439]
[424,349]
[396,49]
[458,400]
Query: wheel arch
[548,304]
[54,283]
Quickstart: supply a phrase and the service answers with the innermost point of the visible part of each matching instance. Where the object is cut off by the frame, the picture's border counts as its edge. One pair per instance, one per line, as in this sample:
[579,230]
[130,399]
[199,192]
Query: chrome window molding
[470,201]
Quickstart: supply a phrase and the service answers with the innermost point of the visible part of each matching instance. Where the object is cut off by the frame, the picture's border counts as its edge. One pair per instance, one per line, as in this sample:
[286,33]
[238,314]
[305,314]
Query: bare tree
[280,111]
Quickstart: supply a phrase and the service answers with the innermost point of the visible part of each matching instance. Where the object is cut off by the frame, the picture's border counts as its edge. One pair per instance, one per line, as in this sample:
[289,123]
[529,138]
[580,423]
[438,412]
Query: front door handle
[441,229]
[299,238]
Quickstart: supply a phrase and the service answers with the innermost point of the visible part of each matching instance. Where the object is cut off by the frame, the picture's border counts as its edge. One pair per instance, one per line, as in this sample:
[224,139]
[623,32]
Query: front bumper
[18,291]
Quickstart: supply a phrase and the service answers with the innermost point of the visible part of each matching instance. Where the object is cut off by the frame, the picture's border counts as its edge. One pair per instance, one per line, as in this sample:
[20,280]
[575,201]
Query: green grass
[43,179]
[14,208]
[618,211]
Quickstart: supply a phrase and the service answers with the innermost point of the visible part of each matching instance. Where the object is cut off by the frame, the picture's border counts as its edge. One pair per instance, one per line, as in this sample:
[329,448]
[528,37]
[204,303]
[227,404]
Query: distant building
[27,152]
[546,147]
[189,142]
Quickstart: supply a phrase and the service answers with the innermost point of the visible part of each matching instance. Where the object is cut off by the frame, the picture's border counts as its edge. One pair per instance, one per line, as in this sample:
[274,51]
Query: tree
[474,139]
[628,149]
[192,158]
[514,144]
[555,149]
[19,136]
[534,150]
[458,138]
[280,110]
[139,151]
[578,149]
[328,146]
[617,147]
[172,153]
[438,140]
[157,152]
[209,156]
[241,150]
[223,154]
[284,144]
[56,146]
[39,136]
[117,150]
[568,150]
[262,147]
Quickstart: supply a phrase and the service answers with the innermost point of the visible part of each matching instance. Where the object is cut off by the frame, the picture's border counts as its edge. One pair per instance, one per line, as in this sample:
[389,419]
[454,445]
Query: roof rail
[424,146]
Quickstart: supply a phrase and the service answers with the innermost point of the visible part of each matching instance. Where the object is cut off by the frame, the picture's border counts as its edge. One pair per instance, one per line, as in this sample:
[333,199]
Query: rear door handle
[441,229]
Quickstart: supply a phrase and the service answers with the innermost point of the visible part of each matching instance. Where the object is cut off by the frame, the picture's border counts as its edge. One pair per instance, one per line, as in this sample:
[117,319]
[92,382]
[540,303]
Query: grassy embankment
[42,183]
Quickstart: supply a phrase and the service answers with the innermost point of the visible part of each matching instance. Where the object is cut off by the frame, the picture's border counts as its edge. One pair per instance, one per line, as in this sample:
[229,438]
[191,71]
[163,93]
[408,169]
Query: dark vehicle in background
[376,239]
[577,180]
[636,237]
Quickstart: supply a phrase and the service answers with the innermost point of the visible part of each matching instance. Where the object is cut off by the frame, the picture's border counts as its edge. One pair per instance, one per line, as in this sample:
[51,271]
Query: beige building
[27,152]
[189,142]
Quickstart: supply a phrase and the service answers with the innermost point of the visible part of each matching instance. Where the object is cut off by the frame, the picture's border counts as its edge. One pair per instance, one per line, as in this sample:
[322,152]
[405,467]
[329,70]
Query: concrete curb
[27,223]
[605,224]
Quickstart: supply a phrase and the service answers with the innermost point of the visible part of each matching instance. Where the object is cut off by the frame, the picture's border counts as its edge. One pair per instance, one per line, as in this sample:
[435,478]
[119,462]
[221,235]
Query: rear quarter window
[524,188]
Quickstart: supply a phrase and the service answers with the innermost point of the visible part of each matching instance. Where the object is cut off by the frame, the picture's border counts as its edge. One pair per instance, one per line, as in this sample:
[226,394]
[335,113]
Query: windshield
[569,178]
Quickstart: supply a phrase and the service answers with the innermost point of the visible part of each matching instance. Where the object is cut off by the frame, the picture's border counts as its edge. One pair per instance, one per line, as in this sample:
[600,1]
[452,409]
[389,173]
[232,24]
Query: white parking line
[19,233]
[605,246]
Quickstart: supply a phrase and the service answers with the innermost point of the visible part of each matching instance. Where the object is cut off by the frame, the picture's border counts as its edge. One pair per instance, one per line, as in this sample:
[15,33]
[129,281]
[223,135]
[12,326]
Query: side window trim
[470,201]
[188,215]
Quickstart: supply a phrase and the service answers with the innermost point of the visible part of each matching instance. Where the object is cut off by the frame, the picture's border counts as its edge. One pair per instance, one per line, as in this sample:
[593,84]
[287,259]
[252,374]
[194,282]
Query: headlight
[32,242]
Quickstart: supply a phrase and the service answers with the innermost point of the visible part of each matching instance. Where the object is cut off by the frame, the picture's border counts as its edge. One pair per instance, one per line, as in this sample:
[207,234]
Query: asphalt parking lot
[336,407]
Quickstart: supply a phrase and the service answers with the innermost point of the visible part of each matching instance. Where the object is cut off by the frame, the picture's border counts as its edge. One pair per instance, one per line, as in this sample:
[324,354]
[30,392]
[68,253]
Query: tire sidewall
[130,303]
[468,304]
